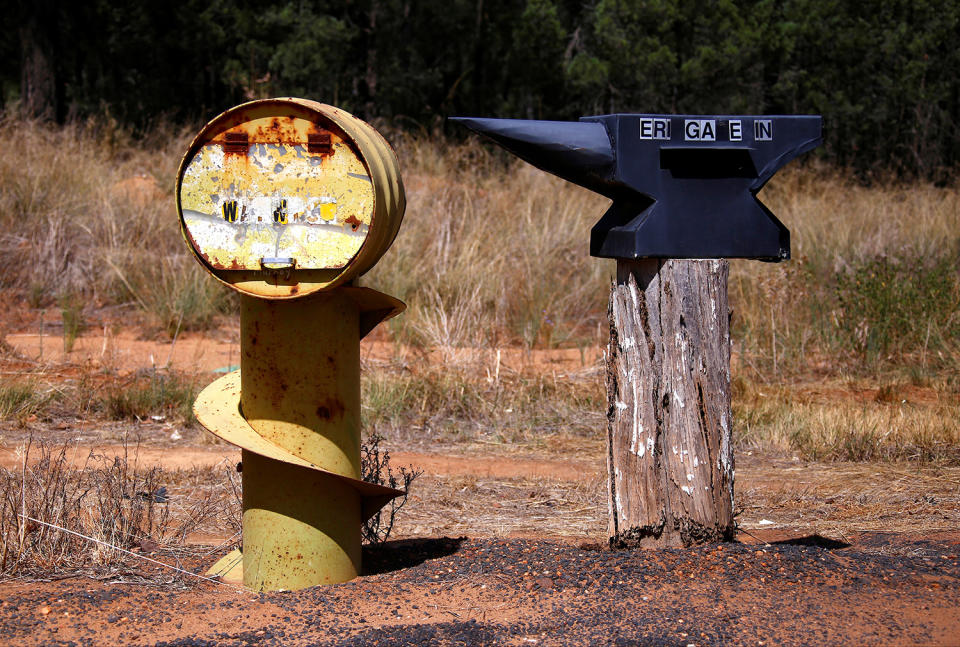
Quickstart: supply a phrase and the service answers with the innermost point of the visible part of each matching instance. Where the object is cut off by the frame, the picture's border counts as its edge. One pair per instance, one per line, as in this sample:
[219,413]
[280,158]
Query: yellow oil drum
[280,198]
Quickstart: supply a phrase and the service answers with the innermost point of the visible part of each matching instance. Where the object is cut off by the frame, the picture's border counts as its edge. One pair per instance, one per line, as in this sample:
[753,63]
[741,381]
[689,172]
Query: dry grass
[424,404]
[81,206]
[21,398]
[840,426]
[834,500]
[454,506]
[49,396]
[842,498]
[870,432]
[494,254]
[163,394]
[123,506]
[817,312]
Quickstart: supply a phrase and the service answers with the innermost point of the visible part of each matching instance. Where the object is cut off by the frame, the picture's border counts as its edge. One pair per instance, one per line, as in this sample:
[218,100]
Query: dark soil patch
[882,589]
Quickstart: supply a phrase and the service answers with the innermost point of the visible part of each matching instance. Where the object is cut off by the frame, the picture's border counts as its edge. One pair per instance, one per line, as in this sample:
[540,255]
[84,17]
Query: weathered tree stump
[669,457]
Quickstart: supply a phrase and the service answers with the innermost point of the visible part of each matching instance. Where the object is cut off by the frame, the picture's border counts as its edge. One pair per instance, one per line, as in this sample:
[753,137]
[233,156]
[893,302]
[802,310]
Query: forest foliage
[882,73]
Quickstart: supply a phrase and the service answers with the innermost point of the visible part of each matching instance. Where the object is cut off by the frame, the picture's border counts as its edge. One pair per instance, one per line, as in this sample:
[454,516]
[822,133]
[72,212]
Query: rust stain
[235,142]
[319,143]
[330,409]
[353,221]
[279,130]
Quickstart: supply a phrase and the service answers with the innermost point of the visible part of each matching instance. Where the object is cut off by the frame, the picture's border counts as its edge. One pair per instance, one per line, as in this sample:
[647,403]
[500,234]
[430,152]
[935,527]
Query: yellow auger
[294,405]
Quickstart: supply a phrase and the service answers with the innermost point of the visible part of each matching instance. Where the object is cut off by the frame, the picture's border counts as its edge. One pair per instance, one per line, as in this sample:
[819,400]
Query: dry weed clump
[375,468]
[117,505]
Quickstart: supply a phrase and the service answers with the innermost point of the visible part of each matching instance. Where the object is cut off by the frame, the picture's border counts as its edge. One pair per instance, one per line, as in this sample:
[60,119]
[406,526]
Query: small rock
[148,546]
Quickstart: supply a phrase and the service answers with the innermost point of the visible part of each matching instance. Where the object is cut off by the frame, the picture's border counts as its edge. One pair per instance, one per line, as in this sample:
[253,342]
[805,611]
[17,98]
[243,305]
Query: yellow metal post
[301,527]
[300,389]
[300,376]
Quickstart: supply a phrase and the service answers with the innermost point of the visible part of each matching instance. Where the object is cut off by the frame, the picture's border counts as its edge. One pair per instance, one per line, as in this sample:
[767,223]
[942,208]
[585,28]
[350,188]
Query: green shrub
[894,305]
[155,394]
[19,399]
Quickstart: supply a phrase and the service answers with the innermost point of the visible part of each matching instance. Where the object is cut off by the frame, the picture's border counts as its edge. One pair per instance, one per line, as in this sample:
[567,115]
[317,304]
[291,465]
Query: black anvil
[683,186]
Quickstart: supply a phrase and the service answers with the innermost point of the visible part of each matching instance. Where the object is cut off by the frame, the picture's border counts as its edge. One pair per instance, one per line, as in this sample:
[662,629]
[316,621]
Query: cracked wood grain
[669,458]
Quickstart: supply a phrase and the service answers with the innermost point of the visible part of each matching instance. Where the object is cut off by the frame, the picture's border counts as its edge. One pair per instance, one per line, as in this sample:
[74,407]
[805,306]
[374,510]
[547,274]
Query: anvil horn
[579,152]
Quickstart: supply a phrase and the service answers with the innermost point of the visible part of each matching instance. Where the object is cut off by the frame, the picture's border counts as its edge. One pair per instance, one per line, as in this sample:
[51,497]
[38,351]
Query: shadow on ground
[817,541]
[406,553]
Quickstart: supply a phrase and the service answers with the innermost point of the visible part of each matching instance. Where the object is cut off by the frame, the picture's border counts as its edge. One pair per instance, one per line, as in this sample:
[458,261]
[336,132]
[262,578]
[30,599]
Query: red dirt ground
[881,590]
[529,571]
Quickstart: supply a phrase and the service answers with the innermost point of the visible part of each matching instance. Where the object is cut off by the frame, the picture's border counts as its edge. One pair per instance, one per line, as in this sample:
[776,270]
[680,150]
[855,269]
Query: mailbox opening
[707,163]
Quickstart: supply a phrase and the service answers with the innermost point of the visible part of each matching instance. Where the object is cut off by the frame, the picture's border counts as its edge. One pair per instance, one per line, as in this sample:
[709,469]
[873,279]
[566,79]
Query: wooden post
[669,457]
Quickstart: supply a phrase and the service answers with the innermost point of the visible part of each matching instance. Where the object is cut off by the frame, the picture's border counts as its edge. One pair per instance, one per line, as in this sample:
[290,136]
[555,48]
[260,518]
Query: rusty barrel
[284,197]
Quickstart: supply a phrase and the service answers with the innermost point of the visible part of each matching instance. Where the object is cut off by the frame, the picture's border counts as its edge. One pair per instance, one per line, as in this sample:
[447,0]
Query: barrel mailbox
[280,198]
[288,201]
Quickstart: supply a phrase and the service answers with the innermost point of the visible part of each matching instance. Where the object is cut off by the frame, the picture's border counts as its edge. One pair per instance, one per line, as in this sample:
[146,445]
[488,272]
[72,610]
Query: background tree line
[883,73]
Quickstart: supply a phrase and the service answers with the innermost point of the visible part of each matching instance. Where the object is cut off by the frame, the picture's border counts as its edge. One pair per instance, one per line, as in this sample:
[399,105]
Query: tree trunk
[669,458]
[371,73]
[38,64]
